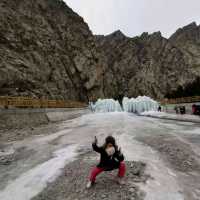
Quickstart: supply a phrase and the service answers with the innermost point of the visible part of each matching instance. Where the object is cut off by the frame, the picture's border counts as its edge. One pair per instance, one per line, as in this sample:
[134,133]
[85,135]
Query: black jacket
[108,162]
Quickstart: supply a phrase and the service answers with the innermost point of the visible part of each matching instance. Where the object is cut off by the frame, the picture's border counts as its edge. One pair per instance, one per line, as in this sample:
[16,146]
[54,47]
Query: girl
[111,158]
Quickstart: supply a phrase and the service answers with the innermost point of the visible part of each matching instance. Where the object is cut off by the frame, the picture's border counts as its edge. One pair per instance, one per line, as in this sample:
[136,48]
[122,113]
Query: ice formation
[135,105]
[106,105]
[139,104]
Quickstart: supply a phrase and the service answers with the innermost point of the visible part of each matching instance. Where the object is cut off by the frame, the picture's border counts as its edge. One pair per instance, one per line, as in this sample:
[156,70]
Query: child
[111,158]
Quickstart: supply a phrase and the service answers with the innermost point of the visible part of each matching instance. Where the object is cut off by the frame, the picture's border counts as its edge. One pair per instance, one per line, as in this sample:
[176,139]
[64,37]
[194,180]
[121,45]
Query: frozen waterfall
[106,105]
[135,105]
[139,104]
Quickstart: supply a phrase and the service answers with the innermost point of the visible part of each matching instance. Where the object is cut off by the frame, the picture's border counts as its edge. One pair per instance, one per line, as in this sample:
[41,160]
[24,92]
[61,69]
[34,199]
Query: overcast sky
[133,17]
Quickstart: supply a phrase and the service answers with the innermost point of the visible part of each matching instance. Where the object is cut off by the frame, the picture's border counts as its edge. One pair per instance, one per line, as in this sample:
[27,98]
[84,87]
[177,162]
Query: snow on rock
[29,184]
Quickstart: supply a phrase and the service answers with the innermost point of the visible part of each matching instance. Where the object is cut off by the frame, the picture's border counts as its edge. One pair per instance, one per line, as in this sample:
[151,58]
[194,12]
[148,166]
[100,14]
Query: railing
[28,102]
[181,100]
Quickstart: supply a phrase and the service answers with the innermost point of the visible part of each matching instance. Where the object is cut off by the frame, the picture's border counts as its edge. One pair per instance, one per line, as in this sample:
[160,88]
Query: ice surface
[135,105]
[155,113]
[7,151]
[163,185]
[125,126]
[29,184]
[186,117]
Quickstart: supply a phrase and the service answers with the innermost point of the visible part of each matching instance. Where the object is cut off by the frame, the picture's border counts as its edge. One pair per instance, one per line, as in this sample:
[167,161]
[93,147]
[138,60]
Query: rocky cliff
[146,65]
[187,39]
[47,50]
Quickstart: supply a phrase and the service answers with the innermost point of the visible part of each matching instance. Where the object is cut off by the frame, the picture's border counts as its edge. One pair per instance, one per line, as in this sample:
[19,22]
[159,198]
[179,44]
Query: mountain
[145,65]
[187,39]
[47,50]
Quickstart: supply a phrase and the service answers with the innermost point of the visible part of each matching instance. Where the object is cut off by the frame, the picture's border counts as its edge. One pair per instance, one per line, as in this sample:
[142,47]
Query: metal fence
[28,102]
[181,100]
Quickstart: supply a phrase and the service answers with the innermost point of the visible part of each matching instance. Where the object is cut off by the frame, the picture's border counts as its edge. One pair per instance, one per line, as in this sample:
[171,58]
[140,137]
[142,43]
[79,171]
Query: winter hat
[110,139]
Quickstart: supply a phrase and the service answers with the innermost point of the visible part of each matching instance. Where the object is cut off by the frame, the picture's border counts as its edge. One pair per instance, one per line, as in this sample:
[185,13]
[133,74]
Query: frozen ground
[55,164]
[171,116]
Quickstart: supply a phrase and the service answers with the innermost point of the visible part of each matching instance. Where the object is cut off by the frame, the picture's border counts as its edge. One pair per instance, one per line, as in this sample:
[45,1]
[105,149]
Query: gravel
[71,185]
[179,154]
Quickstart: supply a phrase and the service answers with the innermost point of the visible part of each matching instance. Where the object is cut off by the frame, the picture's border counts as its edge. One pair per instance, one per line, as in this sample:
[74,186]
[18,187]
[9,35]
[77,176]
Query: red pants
[96,171]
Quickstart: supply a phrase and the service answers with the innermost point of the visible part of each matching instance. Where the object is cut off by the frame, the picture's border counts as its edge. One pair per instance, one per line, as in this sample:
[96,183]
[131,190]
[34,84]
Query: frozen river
[171,150]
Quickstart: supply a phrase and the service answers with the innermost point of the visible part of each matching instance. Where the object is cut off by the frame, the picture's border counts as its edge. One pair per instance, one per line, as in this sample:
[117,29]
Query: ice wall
[106,105]
[135,105]
[139,104]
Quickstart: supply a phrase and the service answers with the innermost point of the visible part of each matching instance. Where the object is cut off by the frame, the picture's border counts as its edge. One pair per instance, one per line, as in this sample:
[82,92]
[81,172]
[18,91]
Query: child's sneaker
[89,184]
[120,181]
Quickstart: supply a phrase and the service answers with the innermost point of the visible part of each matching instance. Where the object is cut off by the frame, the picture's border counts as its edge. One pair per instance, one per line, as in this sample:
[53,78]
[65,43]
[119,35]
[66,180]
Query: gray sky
[133,17]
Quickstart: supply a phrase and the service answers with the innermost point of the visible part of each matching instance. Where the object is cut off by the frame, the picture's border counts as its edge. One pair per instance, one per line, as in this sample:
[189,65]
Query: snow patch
[193,131]
[153,113]
[7,151]
[163,186]
[165,115]
[35,180]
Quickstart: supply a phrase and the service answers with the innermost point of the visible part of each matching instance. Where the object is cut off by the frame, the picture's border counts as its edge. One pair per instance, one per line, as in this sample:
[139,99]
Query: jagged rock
[187,39]
[145,65]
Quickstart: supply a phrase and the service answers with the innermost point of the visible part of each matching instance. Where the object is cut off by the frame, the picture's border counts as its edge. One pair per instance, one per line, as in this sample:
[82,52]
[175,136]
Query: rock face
[47,50]
[187,39]
[146,65]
